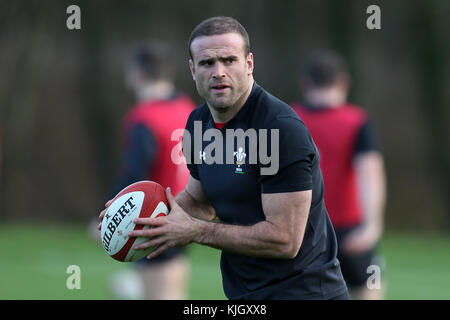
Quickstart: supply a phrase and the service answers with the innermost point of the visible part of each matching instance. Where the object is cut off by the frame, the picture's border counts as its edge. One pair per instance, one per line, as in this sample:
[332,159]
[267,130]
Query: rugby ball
[142,199]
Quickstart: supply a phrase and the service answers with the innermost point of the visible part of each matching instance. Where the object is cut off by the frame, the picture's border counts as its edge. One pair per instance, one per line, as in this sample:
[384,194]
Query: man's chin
[220,106]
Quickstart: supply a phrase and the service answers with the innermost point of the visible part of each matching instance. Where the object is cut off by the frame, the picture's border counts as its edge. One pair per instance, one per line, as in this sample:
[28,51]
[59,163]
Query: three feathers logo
[240,159]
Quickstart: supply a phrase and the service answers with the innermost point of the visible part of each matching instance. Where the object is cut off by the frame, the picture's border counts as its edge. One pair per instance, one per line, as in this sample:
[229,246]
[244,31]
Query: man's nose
[219,71]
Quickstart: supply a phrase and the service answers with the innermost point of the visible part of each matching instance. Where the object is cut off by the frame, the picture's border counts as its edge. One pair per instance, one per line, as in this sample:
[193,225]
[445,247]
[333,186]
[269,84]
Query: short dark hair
[152,59]
[324,68]
[220,25]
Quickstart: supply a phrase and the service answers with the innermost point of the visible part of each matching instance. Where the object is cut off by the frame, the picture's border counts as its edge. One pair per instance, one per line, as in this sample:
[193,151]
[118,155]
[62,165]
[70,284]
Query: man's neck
[223,117]
[329,98]
[158,90]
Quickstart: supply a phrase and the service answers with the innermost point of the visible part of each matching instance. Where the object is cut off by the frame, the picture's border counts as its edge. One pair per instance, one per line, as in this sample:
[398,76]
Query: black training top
[234,189]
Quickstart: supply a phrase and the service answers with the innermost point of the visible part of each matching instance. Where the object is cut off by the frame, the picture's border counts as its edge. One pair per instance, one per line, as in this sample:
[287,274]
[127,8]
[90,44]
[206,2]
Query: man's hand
[102,214]
[176,229]
[361,239]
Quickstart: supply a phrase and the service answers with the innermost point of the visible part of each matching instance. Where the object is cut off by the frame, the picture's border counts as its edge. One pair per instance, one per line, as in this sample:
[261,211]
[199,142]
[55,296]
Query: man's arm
[194,201]
[279,236]
[371,182]
[138,157]
[372,186]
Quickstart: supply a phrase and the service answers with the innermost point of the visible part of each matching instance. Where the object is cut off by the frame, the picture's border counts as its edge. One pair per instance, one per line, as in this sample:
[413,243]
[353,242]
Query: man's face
[221,70]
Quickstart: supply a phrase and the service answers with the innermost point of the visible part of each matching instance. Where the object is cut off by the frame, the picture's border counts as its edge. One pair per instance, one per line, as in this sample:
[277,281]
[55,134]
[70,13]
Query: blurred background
[62,97]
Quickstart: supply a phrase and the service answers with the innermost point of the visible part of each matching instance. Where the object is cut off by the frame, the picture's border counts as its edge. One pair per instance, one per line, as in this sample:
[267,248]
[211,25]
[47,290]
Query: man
[352,168]
[147,146]
[276,238]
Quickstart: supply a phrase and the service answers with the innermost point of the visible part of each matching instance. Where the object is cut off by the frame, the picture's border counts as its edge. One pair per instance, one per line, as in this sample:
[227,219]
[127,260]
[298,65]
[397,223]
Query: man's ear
[191,66]
[250,63]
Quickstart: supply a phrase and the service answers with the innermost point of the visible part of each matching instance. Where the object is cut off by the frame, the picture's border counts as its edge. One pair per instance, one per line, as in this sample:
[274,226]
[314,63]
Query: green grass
[35,258]
[417,266]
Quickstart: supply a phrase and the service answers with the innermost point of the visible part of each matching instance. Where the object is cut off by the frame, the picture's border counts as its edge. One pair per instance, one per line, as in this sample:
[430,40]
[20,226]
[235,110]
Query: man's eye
[229,61]
[206,63]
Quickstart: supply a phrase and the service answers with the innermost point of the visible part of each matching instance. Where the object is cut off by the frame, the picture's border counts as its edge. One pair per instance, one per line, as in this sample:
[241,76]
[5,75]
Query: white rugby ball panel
[118,220]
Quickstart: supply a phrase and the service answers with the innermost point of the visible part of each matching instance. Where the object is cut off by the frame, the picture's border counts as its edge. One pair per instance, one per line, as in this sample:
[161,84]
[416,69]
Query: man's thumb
[170,197]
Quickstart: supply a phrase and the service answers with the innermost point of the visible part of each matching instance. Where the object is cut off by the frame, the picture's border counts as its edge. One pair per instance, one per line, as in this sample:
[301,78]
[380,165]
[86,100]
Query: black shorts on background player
[355,267]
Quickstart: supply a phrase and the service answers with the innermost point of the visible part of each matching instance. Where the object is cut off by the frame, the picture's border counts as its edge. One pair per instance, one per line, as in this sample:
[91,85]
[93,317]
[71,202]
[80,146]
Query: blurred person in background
[147,150]
[352,167]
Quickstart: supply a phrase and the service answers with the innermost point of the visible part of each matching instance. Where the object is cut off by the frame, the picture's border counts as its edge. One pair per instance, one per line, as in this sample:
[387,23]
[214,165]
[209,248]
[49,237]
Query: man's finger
[170,198]
[153,222]
[150,243]
[148,233]
[158,251]
[102,214]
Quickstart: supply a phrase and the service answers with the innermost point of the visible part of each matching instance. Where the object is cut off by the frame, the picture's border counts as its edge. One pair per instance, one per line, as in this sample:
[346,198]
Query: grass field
[35,259]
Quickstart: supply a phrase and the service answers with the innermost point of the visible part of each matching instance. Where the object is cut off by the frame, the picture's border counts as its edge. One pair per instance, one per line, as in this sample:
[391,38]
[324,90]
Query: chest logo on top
[209,146]
[240,156]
